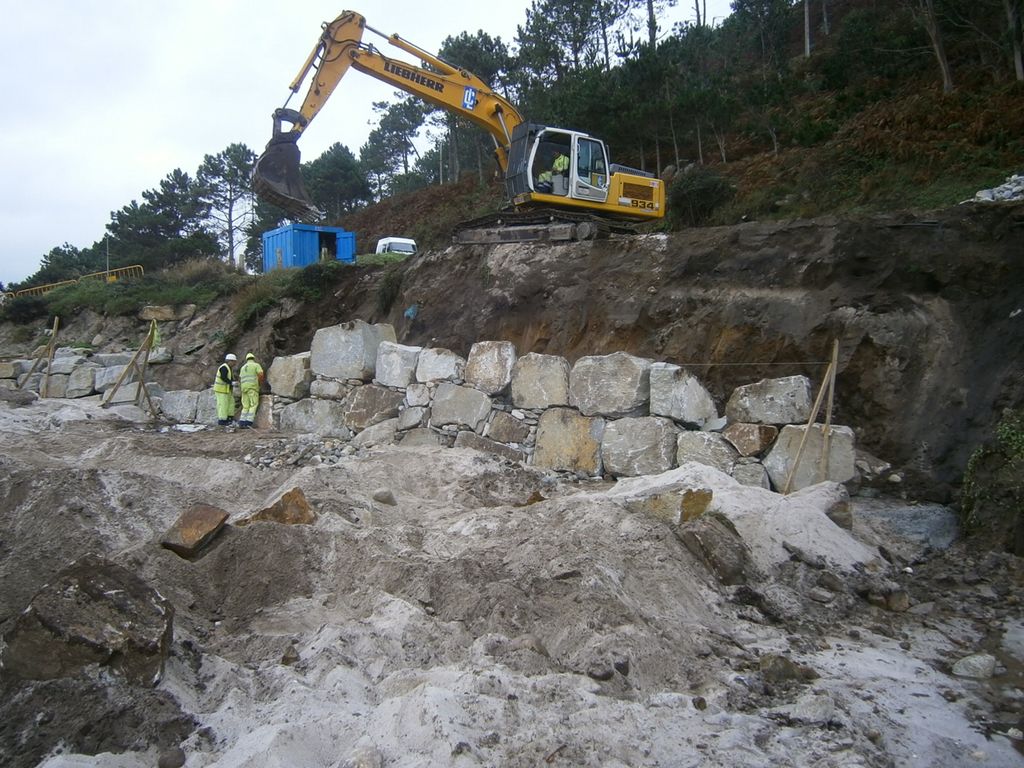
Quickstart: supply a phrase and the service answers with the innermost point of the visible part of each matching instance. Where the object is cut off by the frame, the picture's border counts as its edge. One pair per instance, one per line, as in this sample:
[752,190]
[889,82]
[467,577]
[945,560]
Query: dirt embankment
[926,309]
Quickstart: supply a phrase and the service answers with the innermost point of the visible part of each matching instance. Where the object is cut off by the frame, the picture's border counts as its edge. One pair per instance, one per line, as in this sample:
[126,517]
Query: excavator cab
[277,177]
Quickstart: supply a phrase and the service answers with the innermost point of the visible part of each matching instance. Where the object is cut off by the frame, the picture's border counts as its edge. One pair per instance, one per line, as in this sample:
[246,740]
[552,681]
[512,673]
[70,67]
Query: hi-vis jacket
[250,375]
[222,383]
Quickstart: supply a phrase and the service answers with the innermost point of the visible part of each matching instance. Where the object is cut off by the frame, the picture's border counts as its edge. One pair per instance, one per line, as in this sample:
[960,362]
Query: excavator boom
[277,177]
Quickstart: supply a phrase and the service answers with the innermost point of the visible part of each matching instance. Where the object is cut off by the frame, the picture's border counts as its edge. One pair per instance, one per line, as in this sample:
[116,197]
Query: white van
[396,245]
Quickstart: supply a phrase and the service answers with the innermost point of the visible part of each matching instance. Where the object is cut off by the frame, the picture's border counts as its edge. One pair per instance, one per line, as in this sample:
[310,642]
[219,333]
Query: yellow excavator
[560,181]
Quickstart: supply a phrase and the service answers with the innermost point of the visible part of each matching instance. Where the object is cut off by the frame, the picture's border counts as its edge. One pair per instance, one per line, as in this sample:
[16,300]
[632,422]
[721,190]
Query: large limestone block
[460,406]
[569,441]
[94,612]
[440,365]
[206,407]
[678,394]
[180,405]
[65,365]
[135,392]
[291,509]
[82,381]
[56,385]
[748,471]
[369,405]
[265,413]
[839,467]
[750,439]
[472,440]
[771,401]
[107,377]
[708,448]
[329,389]
[113,359]
[413,417]
[9,370]
[610,385]
[322,417]
[417,395]
[645,445]
[489,366]
[348,350]
[289,376]
[540,381]
[396,364]
[381,433]
[506,428]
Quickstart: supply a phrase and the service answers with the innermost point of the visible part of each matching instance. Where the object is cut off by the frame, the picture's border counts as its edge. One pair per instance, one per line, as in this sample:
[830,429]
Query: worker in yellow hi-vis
[250,377]
[222,390]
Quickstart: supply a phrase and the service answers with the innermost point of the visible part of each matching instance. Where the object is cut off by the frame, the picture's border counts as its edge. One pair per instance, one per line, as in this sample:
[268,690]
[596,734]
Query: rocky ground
[448,608]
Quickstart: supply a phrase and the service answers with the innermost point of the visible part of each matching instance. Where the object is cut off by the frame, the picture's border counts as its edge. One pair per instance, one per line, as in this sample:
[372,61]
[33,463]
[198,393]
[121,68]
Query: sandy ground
[492,616]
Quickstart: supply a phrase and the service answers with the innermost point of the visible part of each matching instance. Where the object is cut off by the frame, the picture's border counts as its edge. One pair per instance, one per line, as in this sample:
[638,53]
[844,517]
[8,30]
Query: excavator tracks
[537,225]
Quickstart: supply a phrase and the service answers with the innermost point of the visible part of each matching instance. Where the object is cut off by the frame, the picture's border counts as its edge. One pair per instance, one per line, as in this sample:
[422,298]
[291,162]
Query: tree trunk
[824,18]
[931,26]
[675,139]
[700,145]
[696,12]
[1013,20]
[807,29]
[720,141]
[652,24]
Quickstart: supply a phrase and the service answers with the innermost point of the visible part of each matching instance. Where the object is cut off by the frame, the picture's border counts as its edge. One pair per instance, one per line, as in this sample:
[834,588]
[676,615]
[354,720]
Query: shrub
[695,194]
[24,309]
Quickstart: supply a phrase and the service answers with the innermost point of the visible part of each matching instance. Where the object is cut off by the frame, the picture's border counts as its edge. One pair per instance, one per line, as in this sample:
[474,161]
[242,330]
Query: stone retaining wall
[612,415]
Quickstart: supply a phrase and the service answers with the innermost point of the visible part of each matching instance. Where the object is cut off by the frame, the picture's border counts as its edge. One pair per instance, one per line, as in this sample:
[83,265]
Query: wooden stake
[826,439]
[50,348]
[807,429]
[133,364]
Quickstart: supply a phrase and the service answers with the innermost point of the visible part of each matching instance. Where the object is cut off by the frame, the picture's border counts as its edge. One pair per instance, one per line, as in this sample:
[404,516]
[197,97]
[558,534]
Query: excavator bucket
[278,180]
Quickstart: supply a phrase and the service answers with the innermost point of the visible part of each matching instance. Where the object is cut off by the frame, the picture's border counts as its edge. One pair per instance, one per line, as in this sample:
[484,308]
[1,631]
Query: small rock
[171,758]
[819,595]
[699,702]
[290,655]
[384,496]
[898,602]
[980,665]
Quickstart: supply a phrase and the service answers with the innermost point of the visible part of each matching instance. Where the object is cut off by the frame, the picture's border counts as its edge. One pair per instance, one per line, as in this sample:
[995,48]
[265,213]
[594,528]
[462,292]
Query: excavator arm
[277,177]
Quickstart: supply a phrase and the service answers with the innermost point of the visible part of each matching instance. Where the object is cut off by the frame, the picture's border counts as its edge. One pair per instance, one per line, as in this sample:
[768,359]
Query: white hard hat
[230,357]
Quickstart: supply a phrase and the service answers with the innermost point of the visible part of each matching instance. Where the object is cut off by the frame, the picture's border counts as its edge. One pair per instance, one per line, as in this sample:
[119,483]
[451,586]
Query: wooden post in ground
[827,435]
[807,429]
[50,349]
[133,364]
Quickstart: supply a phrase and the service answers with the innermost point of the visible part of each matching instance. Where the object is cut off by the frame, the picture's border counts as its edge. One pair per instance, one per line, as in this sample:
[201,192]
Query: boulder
[540,381]
[323,417]
[264,413]
[489,366]
[163,313]
[679,395]
[417,394]
[180,405]
[416,438]
[413,417]
[56,385]
[506,428]
[291,509]
[329,389]
[771,401]
[66,364]
[206,407]
[82,381]
[750,439]
[194,529]
[107,377]
[472,440]
[715,542]
[135,392]
[396,364]
[569,441]
[644,445]
[348,350]
[459,406]
[382,433]
[706,448]
[93,612]
[748,471]
[290,375]
[369,405]
[440,365]
[839,467]
[613,385]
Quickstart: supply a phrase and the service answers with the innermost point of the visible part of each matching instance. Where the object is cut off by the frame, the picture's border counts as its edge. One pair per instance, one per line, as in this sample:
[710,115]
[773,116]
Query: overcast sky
[106,97]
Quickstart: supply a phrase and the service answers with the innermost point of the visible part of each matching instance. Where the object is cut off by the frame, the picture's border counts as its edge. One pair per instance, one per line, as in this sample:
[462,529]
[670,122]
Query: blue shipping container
[298,245]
